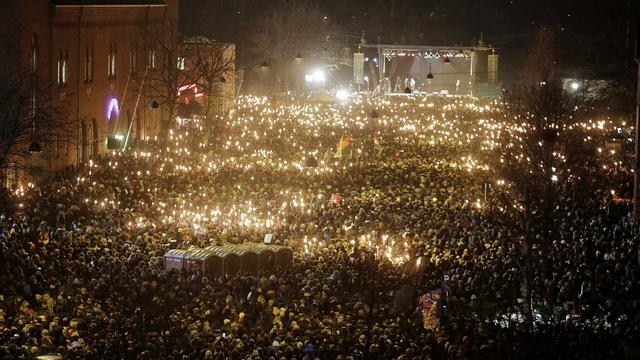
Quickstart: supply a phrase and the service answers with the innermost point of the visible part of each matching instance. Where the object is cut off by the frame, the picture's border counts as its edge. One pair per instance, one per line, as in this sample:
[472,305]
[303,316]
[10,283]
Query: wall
[85,37]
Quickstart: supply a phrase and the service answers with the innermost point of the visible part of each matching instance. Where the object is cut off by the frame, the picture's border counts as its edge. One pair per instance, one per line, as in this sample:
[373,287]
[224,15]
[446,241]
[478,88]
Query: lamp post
[297,72]
[264,75]
[221,104]
[34,147]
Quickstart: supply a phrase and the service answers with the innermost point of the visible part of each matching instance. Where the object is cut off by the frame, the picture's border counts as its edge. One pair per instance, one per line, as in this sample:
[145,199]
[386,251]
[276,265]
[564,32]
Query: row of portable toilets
[229,259]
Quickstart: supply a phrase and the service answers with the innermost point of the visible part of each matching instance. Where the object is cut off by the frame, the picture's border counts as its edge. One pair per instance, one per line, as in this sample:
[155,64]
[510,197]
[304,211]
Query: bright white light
[366,78]
[308,78]
[342,94]
[575,86]
[119,136]
[319,76]
[554,178]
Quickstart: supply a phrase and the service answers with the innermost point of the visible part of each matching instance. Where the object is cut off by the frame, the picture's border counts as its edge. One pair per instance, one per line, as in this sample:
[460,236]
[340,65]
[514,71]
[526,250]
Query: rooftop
[109,3]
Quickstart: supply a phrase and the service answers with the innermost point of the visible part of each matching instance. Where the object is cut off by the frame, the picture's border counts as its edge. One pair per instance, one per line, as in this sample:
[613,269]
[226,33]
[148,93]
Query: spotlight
[342,94]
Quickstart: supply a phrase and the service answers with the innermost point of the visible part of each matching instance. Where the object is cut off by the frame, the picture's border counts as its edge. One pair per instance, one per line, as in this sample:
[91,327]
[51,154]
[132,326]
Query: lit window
[111,62]
[33,58]
[152,59]
[63,62]
[180,63]
[88,65]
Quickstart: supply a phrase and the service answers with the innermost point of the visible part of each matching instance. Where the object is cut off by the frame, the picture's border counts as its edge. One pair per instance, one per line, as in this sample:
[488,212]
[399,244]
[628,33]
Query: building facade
[95,57]
[209,76]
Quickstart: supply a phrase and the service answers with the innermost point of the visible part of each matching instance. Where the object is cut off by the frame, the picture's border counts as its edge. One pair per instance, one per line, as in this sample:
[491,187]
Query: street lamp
[298,72]
[35,148]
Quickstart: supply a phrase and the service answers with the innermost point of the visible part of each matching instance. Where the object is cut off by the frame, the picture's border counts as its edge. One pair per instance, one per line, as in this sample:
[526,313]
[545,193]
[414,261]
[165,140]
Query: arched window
[33,56]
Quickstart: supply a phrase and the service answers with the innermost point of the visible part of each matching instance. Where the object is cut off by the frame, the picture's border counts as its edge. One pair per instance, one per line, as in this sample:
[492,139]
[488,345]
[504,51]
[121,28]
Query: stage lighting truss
[390,54]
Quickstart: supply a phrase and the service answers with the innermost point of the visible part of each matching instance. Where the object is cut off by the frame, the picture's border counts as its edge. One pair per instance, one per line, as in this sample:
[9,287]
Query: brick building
[93,54]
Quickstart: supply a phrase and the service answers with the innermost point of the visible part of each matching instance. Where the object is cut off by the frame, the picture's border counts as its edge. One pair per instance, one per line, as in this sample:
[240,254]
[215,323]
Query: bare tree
[375,281]
[33,118]
[292,28]
[542,156]
[212,66]
[168,72]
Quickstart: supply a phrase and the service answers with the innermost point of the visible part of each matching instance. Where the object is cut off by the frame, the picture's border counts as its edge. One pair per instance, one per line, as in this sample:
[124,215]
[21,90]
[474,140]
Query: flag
[338,153]
[346,141]
[342,144]
[377,145]
[431,304]
[327,156]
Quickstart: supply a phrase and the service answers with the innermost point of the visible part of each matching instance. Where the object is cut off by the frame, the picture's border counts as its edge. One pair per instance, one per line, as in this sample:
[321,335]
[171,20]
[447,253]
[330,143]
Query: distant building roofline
[109,3]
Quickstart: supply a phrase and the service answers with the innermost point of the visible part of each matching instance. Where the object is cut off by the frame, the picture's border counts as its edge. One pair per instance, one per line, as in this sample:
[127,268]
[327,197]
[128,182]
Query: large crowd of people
[382,200]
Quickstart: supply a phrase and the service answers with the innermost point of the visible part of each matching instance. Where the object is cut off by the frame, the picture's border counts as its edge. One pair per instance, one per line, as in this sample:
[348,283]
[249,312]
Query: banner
[431,304]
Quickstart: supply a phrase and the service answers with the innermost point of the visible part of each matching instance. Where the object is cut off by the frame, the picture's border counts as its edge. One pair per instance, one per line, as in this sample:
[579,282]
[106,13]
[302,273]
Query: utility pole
[636,168]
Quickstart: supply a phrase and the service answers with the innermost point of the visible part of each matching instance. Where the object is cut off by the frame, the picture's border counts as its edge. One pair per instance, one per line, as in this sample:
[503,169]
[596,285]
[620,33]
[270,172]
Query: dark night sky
[596,36]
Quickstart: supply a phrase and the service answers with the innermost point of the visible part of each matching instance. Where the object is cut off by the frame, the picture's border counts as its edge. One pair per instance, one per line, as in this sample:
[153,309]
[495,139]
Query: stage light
[119,137]
[575,86]
[318,76]
[342,94]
